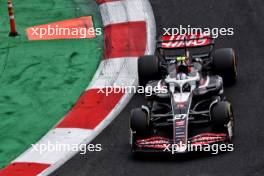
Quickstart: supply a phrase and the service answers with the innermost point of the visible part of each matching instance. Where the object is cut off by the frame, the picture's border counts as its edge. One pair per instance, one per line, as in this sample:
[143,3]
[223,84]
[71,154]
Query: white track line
[116,72]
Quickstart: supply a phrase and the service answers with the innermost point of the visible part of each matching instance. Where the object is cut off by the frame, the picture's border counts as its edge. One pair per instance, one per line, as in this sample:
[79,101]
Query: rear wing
[184,41]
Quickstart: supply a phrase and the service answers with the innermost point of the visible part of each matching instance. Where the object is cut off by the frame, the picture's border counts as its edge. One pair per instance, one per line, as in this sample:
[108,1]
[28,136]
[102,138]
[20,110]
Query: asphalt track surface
[247,18]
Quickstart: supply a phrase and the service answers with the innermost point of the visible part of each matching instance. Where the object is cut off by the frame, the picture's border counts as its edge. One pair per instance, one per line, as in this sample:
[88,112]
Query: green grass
[41,80]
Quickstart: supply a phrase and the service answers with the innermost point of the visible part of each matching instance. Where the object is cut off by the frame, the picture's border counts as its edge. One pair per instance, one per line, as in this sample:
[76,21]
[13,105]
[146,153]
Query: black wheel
[148,69]
[224,64]
[221,114]
[139,121]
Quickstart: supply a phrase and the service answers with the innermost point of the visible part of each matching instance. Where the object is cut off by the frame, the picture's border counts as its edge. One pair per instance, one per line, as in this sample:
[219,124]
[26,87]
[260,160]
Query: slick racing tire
[139,122]
[148,69]
[224,64]
[223,118]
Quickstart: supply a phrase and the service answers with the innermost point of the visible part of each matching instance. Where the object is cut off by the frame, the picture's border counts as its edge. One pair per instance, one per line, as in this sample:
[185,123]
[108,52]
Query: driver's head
[182,64]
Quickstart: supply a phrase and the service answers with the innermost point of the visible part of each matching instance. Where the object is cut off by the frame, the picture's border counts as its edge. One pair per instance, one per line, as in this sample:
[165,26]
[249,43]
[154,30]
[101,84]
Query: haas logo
[181,41]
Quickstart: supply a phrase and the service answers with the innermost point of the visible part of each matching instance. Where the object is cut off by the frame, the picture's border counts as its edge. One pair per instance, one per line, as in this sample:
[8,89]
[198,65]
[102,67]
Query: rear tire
[148,69]
[224,64]
[139,122]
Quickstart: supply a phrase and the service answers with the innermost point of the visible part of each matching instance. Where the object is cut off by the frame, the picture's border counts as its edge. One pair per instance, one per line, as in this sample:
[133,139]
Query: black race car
[184,88]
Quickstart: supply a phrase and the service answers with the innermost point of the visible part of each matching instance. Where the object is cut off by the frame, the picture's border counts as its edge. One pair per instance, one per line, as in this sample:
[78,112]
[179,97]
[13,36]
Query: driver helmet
[182,65]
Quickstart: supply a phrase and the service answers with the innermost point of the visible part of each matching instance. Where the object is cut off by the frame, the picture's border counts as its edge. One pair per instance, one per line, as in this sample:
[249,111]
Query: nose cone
[181,97]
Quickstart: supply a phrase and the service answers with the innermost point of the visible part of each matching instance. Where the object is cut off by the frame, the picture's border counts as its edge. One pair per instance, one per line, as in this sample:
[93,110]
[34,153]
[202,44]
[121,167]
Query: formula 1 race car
[185,102]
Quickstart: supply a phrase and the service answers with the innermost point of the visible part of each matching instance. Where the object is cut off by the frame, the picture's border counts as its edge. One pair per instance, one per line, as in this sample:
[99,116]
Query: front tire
[223,118]
[139,122]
